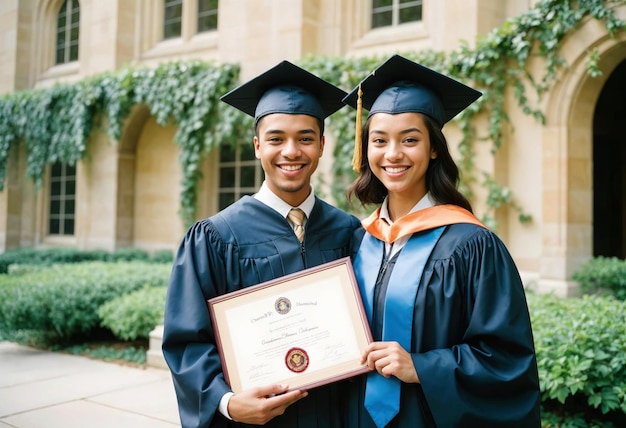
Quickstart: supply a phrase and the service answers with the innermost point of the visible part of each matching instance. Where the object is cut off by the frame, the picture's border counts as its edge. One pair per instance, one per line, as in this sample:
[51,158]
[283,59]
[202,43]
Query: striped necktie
[296,217]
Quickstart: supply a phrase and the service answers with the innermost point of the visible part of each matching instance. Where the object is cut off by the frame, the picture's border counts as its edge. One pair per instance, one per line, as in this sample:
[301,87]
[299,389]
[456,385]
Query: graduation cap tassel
[356,158]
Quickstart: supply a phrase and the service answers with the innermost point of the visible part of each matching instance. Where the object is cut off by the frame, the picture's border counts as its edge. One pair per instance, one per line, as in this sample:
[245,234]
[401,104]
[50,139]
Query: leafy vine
[54,124]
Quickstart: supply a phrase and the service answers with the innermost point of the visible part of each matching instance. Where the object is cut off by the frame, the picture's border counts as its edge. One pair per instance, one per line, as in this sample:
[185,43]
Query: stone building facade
[568,173]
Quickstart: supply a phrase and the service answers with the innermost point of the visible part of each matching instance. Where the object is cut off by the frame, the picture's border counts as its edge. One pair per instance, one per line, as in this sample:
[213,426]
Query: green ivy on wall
[55,124]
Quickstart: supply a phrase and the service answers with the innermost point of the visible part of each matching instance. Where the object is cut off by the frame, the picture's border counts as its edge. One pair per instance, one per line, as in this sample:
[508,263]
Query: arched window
[387,13]
[67,32]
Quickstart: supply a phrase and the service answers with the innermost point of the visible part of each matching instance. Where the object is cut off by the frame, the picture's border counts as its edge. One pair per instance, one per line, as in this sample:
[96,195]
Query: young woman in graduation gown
[453,344]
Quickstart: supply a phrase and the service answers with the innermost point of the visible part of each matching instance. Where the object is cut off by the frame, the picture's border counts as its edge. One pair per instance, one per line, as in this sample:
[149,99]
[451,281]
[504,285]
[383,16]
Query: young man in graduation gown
[252,241]
[453,344]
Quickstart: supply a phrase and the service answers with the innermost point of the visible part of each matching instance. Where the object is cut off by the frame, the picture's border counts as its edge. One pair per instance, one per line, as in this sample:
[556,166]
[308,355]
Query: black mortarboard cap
[400,85]
[286,88]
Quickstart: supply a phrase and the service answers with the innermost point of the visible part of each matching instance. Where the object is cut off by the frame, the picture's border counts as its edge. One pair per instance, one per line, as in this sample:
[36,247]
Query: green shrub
[603,274]
[581,356]
[47,256]
[128,254]
[134,316]
[162,256]
[50,256]
[16,269]
[61,303]
[550,419]
[126,353]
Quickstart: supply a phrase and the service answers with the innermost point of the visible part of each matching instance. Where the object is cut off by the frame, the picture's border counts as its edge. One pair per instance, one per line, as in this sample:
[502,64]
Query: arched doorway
[609,167]
[571,222]
[148,177]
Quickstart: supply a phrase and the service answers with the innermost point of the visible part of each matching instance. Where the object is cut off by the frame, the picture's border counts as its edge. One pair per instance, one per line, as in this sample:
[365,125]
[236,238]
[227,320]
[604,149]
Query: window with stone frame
[207,16]
[240,173]
[172,19]
[62,199]
[387,13]
[68,22]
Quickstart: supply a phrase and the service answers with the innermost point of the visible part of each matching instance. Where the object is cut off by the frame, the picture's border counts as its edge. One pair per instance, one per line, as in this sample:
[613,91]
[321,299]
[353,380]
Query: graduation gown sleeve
[199,270]
[477,363]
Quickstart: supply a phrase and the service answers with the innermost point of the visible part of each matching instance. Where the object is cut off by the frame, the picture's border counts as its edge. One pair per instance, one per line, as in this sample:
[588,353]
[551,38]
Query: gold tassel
[356,158]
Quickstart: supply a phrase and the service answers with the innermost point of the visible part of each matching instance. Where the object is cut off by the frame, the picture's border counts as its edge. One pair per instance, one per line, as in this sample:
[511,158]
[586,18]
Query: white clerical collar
[425,202]
[270,199]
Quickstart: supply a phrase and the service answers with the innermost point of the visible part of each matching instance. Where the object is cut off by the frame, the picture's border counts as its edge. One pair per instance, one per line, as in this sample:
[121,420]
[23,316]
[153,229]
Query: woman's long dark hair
[442,175]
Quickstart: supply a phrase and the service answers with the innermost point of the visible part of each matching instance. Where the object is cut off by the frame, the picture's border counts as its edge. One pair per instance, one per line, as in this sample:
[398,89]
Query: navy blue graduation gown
[245,244]
[472,342]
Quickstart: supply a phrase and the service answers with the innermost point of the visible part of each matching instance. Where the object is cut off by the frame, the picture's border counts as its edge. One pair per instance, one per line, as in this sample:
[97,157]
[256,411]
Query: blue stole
[382,395]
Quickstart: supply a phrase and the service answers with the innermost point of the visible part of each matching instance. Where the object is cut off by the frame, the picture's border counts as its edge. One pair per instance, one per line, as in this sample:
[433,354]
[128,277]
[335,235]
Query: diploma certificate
[305,329]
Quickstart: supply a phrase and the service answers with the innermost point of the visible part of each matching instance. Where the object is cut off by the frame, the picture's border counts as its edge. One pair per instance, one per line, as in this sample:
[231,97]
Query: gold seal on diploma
[297,360]
[282,305]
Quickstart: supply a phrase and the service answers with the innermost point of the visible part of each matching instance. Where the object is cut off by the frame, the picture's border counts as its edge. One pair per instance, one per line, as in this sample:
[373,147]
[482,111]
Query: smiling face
[289,147]
[399,153]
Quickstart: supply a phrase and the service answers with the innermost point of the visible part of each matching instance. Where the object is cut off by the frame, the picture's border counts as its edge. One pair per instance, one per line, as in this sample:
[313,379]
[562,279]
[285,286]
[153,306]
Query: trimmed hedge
[603,275]
[134,316]
[50,256]
[581,355]
[61,304]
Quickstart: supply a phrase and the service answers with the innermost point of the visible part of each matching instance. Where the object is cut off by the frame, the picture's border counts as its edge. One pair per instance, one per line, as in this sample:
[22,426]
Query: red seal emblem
[297,360]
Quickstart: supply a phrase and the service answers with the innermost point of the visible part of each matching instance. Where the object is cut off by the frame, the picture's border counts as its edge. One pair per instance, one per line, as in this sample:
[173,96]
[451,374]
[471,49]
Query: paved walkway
[54,390]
